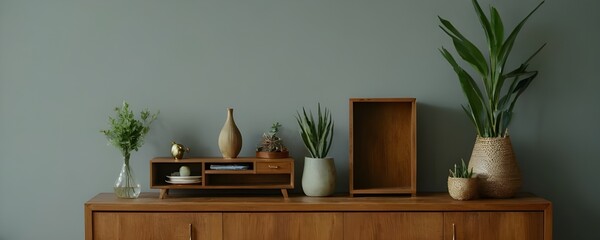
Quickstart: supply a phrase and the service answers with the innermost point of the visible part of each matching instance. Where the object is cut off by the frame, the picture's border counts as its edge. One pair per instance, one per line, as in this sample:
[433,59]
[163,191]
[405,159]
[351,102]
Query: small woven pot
[462,188]
[494,164]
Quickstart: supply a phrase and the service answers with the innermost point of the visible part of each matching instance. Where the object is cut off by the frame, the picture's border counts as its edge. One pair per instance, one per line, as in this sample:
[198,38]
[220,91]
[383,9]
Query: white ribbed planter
[318,177]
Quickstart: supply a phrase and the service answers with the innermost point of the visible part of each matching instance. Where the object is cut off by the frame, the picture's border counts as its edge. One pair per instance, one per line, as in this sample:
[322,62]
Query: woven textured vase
[462,188]
[494,164]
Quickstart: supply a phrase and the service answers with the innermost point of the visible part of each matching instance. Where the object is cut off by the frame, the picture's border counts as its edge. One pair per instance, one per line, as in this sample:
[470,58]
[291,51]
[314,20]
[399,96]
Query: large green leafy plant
[317,134]
[490,104]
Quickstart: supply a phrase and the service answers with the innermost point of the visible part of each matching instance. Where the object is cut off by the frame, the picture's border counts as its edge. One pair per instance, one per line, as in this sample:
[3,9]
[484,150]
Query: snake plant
[461,171]
[316,134]
[490,104]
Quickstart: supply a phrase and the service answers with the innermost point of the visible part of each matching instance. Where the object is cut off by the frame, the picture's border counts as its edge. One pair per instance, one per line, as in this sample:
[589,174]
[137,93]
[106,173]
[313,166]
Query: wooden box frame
[383,144]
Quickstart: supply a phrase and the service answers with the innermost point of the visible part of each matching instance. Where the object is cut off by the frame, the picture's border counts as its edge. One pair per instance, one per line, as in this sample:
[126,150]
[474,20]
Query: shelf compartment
[382,146]
[159,171]
[248,181]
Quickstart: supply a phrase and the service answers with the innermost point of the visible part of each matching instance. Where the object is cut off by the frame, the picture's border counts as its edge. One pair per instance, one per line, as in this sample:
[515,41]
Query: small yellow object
[177,150]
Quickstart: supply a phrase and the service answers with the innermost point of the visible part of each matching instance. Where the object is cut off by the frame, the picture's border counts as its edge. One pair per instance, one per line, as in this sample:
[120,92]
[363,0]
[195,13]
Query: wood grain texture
[159,226]
[422,202]
[386,225]
[289,226]
[498,217]
[382,145]
[494,225]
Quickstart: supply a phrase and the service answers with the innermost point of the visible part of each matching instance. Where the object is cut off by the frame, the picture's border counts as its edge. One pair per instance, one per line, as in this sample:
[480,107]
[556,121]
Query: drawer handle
[273,166]
[453,231]
[190,227]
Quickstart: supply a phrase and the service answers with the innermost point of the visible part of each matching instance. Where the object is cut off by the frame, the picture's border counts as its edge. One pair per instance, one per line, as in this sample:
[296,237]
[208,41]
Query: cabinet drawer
[157,226]
[273,167]
[494,225]
[393,225]
[283,226]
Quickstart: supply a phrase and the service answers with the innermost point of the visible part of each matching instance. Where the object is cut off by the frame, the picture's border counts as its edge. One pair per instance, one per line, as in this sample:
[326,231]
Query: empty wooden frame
[383,146]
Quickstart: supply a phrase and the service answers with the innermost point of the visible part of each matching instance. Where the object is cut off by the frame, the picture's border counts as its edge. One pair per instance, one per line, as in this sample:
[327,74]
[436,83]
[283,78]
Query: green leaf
[485,23]
[509,42]
[465,48]
[471,91]
[497,28]
[317,134]
[521,86]
[535,53]
[461,171]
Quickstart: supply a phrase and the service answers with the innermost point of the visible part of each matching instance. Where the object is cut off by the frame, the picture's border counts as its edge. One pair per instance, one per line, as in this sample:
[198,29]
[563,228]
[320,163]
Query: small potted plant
[461,184]
[271,145]
[127,134]
[318,177]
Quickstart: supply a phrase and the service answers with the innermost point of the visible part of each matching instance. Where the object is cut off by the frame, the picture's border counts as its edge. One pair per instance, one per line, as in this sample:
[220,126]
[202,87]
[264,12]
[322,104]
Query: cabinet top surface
[422,202]
[220,160]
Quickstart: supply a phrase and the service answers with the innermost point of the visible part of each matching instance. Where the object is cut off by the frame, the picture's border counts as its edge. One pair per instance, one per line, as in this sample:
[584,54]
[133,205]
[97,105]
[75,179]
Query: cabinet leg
[284,192]
[163,193]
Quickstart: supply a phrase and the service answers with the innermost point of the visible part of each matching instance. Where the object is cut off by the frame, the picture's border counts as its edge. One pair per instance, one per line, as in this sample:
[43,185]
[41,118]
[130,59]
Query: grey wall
[65,64]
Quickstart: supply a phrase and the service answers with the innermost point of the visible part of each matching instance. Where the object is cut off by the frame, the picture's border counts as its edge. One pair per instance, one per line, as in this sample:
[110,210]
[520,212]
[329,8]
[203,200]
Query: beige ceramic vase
[494,164]
[230,138]
[462,188]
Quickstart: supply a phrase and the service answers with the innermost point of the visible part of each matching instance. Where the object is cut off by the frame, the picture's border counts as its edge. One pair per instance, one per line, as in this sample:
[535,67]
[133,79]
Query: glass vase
[126,186]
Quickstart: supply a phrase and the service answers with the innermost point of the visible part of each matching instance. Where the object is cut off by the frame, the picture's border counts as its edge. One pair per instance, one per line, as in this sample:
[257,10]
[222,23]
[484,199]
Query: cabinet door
[163,226]
[494,225]
[278,226]
[393,225]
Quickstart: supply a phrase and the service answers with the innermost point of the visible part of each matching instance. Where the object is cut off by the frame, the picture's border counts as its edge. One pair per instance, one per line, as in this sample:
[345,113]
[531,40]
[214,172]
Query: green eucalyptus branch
[126,132]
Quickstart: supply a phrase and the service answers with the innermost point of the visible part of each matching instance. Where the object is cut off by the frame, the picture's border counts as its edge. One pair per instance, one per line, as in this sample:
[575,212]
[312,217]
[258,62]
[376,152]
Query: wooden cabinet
[425,216]
[289,226]
[159,226]
[393,225]
[494,225]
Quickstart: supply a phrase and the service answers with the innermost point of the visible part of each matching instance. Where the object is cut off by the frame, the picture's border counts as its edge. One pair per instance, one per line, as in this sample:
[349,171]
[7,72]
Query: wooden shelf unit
[425,216]
[383,146]
[260,174]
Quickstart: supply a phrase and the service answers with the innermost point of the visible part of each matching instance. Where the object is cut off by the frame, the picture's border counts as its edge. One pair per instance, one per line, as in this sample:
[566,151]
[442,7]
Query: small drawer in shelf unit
[274,167]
